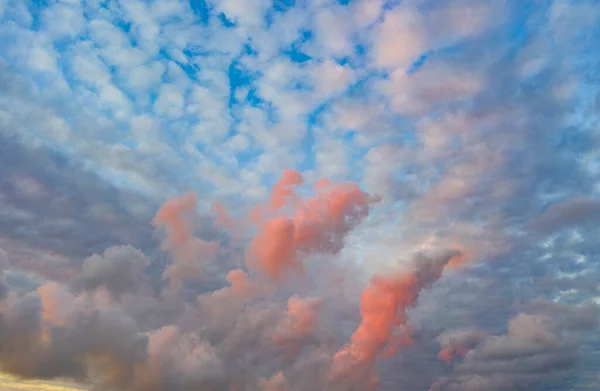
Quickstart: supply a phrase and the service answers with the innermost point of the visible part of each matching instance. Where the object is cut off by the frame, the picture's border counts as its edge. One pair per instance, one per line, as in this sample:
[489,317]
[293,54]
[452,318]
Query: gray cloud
[575,211]
[539,345]
[51,202]
[119,270]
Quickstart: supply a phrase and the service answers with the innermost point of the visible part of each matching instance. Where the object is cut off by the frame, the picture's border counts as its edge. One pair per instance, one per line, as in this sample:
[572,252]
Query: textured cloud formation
[255,195]
[383,308]
[457,343]
[539,340]
[109,328]
[237,336]
[119,271]
[176,217]
[319,223]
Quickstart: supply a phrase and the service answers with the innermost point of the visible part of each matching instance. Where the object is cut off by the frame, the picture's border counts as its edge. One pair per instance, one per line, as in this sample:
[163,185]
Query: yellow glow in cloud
[11,383]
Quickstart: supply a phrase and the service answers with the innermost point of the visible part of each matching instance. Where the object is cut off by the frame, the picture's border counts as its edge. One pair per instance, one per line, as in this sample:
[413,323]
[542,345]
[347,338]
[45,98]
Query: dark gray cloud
[541,343]
[4,289]
[56,212]
[82,339]
[52,202]
[578,211]
[118,270]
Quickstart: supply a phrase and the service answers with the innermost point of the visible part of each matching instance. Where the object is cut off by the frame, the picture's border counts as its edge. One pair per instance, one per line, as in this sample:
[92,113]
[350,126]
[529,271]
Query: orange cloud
[174,216]
[383,308]
[319,223]
[284,188]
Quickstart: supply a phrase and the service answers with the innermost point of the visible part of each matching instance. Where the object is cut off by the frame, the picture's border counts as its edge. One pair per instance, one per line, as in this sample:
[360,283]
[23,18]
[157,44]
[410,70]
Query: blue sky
[475,122]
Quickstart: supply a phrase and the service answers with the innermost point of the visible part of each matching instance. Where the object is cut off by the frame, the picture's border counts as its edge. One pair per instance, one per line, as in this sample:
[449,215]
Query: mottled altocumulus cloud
[291,196]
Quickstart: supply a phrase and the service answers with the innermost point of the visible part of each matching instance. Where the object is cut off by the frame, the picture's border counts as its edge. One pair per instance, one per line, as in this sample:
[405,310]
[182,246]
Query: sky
[281,195]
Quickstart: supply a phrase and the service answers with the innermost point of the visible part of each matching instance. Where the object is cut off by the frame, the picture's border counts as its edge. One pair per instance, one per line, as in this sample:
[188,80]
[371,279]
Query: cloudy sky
[299,195]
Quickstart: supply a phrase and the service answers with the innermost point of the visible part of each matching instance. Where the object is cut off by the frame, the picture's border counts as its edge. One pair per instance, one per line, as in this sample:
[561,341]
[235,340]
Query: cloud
[66,208]
[576,211]
[176,217]
[383,311]
[118,271]
[96,331]
[115,332]
[317,224]
[399,39]
[538,345]
[457,343]
[300,324]
[166,224]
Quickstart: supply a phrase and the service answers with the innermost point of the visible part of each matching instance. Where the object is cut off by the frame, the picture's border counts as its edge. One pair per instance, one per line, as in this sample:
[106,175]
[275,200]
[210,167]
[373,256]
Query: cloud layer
[299,195]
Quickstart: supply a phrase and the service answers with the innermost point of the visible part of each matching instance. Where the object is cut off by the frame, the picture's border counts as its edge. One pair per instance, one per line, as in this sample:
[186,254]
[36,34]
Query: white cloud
[211,109]
[63,21]
[146,27]
[399,39]
[466,18]
[116,99]
[57,128]
[330,78]
[332,157]
[19,13]
[146,130]
[417,93]
[436,134]
[88,67]
[248,13]
[284,30]
[170,101]
[115,46]
[271,161]
[42,59]
[333,29]
[369,117]
[237,143]
[144,77]
[382,163]
[165,9]
[366,12]
[105,33]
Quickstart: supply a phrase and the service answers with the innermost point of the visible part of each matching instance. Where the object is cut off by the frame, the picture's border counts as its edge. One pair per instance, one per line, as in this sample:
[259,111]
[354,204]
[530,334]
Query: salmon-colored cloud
[240,284]
[176,218]
[383,308]
[301,321]
[318,223]
[284,188]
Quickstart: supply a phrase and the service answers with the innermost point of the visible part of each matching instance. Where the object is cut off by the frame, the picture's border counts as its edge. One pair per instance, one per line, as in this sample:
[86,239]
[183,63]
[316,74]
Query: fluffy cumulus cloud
[299,195]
